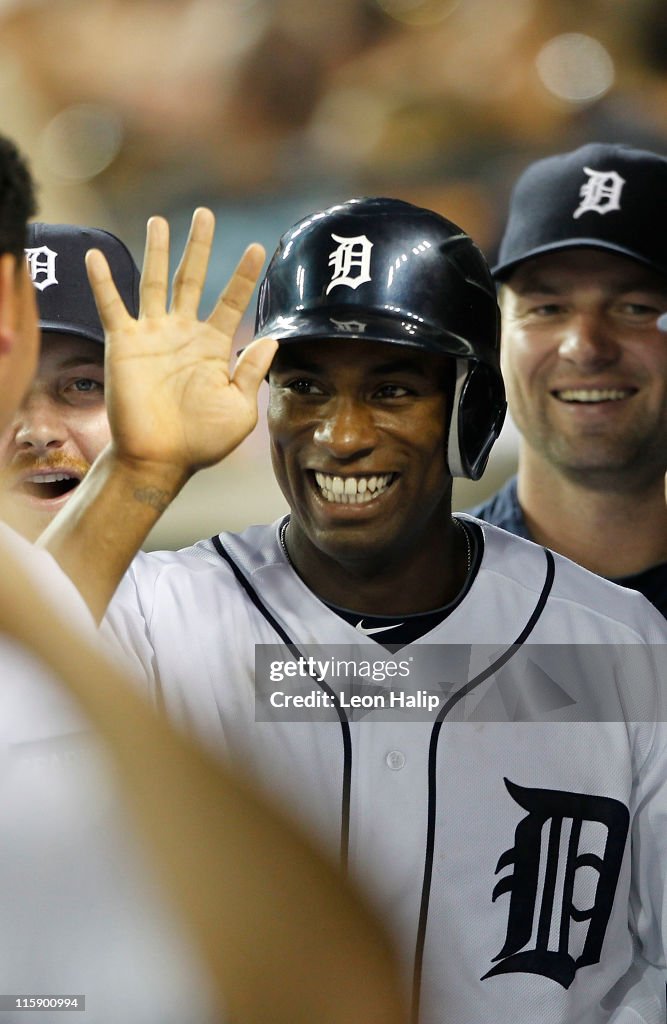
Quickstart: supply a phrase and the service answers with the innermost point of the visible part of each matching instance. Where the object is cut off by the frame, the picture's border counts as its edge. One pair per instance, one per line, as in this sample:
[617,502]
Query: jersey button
[395,760]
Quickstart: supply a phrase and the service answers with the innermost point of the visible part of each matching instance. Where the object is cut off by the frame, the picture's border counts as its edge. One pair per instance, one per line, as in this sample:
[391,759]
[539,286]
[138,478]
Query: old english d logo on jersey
[351,257]
[601,193]
[42,266]
[567,852]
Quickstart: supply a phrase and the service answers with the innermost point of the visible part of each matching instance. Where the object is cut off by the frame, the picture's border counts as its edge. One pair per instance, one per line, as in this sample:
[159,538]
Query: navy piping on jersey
[342,717]
[432,779]
[433,746]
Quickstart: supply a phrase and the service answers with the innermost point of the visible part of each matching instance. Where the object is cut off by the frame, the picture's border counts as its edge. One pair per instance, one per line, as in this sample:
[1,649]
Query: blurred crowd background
[267,109]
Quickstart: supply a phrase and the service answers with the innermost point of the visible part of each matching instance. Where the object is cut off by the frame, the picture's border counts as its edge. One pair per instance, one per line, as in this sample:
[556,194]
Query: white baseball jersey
[521,864]
[80,913]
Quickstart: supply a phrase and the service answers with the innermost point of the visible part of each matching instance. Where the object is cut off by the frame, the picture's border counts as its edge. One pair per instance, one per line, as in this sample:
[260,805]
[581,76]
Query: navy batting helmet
[385,270]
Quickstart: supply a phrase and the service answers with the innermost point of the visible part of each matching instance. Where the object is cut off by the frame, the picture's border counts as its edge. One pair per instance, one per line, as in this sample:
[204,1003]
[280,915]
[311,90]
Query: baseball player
[582,271]
[61,426]
[84,925]
[519,862]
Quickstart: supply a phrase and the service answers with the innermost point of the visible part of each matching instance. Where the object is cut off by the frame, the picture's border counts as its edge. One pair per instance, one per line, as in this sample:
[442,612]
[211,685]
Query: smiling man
[82,910]
[386,383]
[62,424]
[358,448]
[583,279]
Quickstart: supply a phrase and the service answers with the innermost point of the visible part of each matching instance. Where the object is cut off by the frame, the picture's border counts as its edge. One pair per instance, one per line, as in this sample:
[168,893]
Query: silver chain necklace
[283,542]
[461,525]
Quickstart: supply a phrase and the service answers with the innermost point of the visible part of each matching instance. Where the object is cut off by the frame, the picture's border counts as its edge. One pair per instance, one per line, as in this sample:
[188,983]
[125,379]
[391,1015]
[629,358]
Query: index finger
[110,306]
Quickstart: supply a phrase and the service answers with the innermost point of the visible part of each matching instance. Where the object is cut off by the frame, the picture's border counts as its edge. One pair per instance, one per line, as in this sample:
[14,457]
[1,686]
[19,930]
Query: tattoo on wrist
[152,496]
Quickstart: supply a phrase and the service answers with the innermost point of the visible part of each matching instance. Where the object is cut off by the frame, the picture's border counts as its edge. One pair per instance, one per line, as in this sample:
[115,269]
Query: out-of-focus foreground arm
[285,939]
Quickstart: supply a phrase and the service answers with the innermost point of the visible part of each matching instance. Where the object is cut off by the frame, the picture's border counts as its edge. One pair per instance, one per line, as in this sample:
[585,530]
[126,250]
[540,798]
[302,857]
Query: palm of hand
[171,397]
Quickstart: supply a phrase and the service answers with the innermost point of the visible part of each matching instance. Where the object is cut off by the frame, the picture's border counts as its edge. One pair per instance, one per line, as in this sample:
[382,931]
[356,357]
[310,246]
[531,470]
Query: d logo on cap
[42,266]
[601,193]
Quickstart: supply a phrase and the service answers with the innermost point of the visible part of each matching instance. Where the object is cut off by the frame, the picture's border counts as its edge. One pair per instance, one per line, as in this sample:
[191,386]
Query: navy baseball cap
[55,254]
[602,196]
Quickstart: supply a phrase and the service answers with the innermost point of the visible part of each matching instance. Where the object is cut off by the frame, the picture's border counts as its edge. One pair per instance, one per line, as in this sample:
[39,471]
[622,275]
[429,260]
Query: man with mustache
[62,426]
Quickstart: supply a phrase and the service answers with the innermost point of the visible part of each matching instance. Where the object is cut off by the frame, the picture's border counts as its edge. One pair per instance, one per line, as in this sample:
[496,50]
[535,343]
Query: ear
[8,300]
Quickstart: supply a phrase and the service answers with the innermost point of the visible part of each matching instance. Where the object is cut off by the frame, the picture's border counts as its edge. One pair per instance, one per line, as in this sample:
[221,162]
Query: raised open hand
[171,397]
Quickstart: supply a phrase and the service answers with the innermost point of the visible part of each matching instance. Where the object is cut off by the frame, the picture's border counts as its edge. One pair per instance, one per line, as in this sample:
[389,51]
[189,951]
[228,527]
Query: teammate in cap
[582,273]
[517,861]
[62,426]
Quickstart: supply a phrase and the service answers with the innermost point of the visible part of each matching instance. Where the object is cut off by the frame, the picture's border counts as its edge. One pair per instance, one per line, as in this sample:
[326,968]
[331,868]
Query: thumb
[253,365]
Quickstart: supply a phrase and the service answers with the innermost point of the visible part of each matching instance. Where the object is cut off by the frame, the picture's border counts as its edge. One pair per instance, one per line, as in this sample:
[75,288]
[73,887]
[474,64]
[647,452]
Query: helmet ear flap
[478,413]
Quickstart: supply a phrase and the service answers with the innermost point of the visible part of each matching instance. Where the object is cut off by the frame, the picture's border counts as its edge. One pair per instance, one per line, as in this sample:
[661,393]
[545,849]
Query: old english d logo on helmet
[384,270]
[351,261]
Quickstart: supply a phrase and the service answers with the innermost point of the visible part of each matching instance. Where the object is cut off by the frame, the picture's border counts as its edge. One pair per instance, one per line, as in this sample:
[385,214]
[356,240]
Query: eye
[393,391]
[86,384]
[639,310]
[303,386]
[546,309]
[83,389]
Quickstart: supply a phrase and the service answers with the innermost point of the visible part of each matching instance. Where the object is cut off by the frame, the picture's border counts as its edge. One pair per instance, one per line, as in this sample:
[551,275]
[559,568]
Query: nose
[589,343]
[38,425]
[347,429]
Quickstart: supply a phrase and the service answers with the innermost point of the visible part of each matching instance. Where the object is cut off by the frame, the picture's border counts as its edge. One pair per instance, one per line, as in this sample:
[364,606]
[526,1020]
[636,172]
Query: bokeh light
[576,68]
[81,141]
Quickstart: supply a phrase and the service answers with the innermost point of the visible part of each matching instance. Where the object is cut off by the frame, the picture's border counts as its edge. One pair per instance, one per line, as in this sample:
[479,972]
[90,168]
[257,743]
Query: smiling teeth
[352,490]
[48,478]
[593,394]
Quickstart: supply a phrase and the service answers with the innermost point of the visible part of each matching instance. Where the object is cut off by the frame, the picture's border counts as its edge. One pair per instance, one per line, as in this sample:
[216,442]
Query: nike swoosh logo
[374,629]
